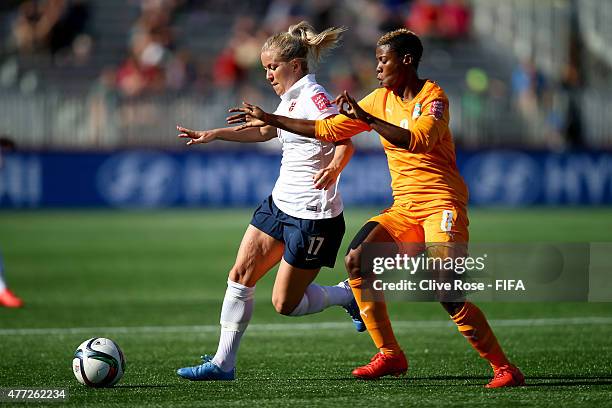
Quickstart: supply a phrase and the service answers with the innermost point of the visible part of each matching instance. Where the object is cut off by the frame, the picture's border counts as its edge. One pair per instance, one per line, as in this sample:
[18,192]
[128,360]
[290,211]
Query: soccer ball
[98,362]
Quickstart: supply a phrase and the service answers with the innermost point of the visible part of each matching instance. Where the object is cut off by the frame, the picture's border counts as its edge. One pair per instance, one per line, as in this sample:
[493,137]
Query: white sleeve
[318,105]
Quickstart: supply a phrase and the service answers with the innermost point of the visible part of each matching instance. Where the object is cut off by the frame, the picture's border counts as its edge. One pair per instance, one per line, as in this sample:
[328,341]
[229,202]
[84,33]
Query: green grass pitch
[154,281]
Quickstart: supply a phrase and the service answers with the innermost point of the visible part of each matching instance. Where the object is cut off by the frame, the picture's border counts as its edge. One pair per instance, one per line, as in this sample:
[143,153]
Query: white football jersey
[303,157]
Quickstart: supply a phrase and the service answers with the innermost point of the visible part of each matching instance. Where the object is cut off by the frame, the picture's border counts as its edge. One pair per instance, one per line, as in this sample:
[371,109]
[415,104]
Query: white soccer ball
[98,362]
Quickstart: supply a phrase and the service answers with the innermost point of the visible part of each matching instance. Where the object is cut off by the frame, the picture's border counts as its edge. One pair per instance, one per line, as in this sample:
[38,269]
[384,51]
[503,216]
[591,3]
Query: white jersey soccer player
[294,192]
[300,225]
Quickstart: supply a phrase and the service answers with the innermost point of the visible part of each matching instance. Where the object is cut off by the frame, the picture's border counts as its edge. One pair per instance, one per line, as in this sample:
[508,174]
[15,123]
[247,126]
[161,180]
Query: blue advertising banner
[154,179]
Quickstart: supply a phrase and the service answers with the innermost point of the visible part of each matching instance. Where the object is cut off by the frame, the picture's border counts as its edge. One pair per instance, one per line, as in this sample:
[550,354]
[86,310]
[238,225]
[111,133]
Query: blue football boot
[353,310]
[207,371]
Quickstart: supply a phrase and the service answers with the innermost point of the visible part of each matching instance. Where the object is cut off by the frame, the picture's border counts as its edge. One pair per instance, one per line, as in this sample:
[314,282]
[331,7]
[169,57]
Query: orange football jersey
[427,170]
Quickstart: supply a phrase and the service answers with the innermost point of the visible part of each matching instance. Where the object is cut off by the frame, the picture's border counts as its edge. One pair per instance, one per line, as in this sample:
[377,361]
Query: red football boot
[381,365]
[507,376]
[8,299]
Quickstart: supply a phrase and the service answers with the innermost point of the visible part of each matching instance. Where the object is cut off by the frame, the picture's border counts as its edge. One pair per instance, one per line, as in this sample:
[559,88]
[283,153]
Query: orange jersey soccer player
[430,197]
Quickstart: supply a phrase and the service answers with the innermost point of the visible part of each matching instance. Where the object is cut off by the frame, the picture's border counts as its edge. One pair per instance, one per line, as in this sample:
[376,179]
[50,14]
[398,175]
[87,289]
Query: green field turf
[154,281]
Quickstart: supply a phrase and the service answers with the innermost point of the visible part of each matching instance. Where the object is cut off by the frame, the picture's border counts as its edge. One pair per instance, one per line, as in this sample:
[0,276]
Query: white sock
[2,284]
[236,314]
[316,298]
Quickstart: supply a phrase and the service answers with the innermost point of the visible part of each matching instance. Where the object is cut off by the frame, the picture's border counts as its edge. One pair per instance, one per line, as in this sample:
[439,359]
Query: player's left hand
[195,136]
[348,106]
[249,116]
[325,178]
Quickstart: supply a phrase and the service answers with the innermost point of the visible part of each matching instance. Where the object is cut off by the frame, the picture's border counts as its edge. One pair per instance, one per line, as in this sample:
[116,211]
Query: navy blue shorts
[309,244]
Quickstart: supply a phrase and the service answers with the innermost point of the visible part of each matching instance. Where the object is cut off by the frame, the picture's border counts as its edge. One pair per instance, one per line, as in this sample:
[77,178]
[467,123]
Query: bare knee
[352,262]
[283,305]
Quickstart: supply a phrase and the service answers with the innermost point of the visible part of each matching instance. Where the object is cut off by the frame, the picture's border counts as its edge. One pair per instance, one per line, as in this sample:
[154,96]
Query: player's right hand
[348,106]
[247,116]
[195,136]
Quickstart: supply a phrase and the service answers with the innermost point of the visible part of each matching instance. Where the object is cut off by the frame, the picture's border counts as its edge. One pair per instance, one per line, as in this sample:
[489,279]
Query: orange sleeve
[341,127]
[338,127]
[430,126]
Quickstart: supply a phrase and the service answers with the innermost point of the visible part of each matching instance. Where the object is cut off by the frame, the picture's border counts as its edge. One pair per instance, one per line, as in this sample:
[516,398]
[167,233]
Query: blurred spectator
[448,19]
[81,49]
[423,18]
[322,13]
[453,20]
[343,77]
[153,26]
[130,78]
[240,55]
[246,41]
[573,129]
[103,101]
[370,16]
[50,25]
[473,103]
[282,13]
[571,83]
[226,71]
[573,118]
[563,111]
[72,18]
[528,86]
[180,71]
[26,32]
[136,77]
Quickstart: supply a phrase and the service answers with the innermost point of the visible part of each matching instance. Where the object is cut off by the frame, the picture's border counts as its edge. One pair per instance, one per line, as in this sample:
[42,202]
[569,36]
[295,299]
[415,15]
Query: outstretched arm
[252,116]
[331,129]
[395,135]
[250,135]
[325,178]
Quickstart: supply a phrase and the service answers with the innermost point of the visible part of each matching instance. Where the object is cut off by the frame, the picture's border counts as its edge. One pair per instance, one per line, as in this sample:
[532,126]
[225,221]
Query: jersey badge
[321,102]
[292,106]
[437,109]
[417,111]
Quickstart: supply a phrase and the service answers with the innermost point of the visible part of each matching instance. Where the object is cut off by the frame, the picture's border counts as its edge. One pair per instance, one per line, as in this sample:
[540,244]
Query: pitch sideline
[292,327]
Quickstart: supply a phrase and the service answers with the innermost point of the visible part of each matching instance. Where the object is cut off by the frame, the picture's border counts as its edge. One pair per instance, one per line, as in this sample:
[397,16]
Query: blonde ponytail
[317,43]
[302,41]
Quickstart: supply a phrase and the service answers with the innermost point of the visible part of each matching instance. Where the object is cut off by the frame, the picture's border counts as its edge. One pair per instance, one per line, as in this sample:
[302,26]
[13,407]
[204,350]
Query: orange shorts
[425,223]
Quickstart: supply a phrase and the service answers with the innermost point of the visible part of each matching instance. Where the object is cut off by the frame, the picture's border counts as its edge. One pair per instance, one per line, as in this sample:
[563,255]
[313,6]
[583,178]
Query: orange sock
[472,323]
[376,319]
